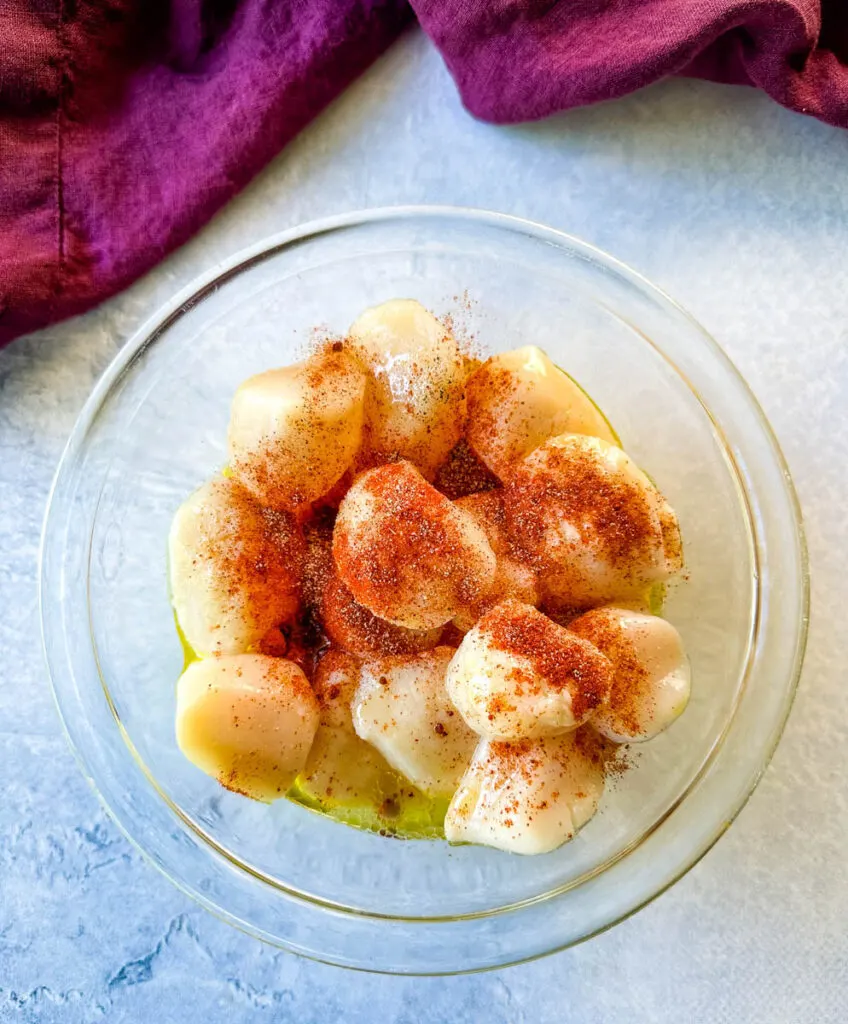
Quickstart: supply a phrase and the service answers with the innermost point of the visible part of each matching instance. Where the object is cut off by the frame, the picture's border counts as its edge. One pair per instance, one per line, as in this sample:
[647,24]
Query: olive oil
[391,807]
[387,804]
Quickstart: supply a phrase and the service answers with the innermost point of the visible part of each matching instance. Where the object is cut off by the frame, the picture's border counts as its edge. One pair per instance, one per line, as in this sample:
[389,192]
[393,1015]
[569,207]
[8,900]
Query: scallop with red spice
[594,525]
[531,796]
[651,675]
[408,554]
[294,432]
[519,675]
[519,399]
[234,568]
[247,720]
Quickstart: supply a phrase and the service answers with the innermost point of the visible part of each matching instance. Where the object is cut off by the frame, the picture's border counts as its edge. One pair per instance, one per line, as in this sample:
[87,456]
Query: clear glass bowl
[155,428]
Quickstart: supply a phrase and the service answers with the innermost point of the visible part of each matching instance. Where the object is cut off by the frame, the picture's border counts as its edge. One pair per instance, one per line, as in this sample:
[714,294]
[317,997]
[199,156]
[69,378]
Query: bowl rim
[217,275]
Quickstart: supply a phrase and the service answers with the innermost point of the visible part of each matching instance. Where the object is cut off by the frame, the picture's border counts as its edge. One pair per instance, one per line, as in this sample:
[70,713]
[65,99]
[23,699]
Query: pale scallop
[519,399]
[651,674]
[528,797]
[406,552]
[514,577]
[247,720]
[417,374]
[294,432]
[519,675]
[342,769]
[234,568]
[401,708]
[595,526]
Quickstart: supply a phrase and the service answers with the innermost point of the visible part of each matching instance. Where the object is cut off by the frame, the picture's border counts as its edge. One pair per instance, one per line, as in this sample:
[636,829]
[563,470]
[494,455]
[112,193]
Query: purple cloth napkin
[125,124]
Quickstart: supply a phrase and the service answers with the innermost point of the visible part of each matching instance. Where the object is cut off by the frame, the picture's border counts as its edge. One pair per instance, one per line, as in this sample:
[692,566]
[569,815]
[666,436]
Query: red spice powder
[562,659]
[276,468]
[413,545]
[255,554]
[672,541]
[562,615]
[254,545]
[487,393]
[462,473]
[275,643]
[593,747]
[572,484]
[521,759]
[514,577]
[628,699]
[487,509]
[356,629]
[318,560]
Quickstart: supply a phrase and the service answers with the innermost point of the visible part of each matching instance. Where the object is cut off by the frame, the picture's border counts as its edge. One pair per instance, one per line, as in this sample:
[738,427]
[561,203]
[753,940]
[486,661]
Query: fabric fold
[126,124]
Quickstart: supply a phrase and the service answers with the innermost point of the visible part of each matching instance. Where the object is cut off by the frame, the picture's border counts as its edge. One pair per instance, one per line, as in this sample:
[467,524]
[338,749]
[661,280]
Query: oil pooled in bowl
[389,805]
[392,807]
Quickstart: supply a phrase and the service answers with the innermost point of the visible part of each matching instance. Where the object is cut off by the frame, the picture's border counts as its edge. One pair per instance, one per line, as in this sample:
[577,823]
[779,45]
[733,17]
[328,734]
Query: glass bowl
[154,429]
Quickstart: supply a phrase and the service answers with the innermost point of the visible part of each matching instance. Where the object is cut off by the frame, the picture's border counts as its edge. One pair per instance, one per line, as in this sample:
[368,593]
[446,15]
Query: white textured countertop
[739,210]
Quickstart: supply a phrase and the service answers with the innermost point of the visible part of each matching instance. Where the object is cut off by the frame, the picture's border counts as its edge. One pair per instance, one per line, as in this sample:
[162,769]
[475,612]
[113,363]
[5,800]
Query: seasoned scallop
[651,676]
[417,375]
[234,568]
[247,720]
[357,630]
[408,554]
[520,399]
[513,576]
[295,431]
[595,526]
[402,708]
[519,675]
[528,797]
